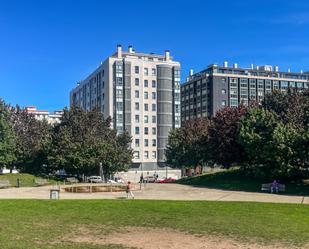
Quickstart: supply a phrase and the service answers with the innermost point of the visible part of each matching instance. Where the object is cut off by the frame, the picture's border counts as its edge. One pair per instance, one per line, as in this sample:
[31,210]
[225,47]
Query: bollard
[18,182]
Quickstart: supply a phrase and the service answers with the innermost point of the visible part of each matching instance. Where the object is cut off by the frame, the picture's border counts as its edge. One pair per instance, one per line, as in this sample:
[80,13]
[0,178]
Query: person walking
[129,191]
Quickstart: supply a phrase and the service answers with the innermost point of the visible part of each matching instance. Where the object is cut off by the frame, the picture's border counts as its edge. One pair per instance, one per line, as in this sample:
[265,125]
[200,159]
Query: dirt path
[155,238]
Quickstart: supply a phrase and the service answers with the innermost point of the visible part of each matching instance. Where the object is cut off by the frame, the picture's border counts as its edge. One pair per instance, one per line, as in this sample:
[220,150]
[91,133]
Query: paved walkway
[157,192]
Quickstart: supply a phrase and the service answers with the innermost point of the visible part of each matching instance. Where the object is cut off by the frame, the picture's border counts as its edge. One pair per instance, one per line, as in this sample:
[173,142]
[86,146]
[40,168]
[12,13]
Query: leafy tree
[271,147]
[83,140]
[184,147]
[32,139]
[291,107]
[223,136]
[7,138]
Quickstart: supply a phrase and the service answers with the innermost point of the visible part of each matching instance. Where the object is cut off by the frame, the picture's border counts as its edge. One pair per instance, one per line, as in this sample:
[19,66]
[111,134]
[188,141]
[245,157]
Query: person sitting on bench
[274,187]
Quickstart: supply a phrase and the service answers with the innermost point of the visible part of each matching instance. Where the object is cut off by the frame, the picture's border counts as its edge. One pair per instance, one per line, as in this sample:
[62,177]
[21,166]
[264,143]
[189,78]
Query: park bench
[5,184]
[40,182]
[267,187]
[72,180]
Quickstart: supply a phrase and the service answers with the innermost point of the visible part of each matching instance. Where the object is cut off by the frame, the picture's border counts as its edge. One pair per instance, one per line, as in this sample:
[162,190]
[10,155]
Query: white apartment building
[141,93]
[51,117]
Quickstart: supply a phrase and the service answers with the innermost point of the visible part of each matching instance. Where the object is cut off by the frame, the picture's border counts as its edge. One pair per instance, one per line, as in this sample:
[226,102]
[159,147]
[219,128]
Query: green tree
[7,138]
[83,140]
[185,145]
[271,147]
[223,136]
[32,139]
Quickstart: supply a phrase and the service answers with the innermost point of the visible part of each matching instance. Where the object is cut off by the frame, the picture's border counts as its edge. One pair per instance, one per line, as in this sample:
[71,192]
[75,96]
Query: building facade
[141,93]
[51,117]
[206,92]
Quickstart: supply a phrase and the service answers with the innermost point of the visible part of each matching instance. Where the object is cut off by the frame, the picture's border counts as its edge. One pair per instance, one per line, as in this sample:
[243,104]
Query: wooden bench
[72,180]
[40,182]
[5,184]
[267,187]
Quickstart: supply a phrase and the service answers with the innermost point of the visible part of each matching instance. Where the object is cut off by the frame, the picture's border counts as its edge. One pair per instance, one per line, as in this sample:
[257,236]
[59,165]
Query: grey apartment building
[205,92]
[141,93]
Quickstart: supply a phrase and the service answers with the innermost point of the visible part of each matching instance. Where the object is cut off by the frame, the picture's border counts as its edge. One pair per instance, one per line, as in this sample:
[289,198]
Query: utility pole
[101,172]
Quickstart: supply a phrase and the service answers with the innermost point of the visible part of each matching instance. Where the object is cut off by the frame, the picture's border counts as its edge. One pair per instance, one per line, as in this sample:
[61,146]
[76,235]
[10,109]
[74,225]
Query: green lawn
[38,223]
[234,180]
[27,180]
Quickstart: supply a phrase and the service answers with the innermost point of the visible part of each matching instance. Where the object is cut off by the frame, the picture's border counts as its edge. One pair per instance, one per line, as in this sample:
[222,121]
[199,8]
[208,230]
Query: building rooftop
[258,71]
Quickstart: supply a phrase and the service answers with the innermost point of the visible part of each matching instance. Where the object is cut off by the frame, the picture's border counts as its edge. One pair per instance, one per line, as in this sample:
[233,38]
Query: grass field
[43,224]
[234,180]
[27,180]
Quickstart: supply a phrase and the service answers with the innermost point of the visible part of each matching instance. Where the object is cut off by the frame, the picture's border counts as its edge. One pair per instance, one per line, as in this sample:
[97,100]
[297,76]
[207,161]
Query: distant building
[141,93]
[50,117]
[206,92]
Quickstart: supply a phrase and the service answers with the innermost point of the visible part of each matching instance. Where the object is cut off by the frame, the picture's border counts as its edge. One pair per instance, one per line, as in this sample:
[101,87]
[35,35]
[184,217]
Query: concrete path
[157,192]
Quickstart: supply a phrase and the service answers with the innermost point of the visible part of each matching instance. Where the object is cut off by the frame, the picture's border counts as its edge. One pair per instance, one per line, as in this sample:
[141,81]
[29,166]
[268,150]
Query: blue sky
[47,46]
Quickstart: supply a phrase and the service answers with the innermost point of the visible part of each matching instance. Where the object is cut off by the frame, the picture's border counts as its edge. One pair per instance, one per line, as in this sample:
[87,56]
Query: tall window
[153,107]
[136,154]
[146,154]
[154,119]
[146,142]
[154,154]
[137,81]
[136,94]
[153,72]
[154,131]
[136,118]
[153,95]
[146,130]
[137,130]
[154,142]
[145,83]
[145,95]
[136,69]
[154,84]
[136,142]
[146,107]
[137,106]
[146,119]
[146,71]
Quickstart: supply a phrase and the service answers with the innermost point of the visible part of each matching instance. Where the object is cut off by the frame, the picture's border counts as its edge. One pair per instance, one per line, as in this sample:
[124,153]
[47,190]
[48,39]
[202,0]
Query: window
[153,107]
[146,130]
[146,71]
[137,106]
[146,142]
[223,80]
[145,95]
[146,107]
[154,131]
[137,81]
[154,154]
[146,154]
[137,130]
[137,69]
[223,91]
[146,119]
[154,119]
[223,103]
[154,142]
[145,83]
[136,154]
[153,83]
[153,95]
[136,142]
[136,94]
[136,118]
[153,72]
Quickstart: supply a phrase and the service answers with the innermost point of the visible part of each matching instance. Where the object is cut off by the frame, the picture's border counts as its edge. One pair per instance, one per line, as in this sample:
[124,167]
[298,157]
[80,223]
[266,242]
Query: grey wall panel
[127,96]
[165,107]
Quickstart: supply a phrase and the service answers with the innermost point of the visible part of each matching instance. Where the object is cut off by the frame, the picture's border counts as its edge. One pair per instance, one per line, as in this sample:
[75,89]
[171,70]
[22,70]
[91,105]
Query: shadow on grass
[234,180]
